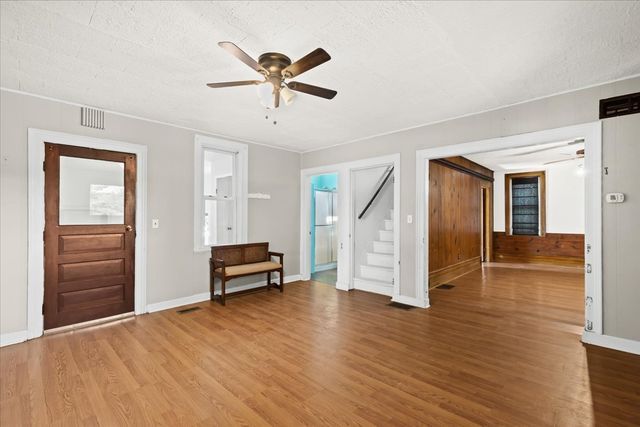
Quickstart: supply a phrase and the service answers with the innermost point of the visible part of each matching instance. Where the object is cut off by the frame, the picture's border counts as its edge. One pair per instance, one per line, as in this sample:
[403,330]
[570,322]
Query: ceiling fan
[276,68]
[579,155]
[553,147]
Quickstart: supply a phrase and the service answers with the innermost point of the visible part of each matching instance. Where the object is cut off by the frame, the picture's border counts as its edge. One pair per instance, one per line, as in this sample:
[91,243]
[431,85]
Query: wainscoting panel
[552,248]
[446,274]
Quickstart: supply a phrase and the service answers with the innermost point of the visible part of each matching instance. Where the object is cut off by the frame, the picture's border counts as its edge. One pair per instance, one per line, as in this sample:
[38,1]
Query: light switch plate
[409,219]
[155,223]
[615,197]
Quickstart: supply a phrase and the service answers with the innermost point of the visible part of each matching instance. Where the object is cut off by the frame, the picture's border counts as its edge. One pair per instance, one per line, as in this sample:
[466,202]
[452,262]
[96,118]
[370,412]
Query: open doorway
[525,211]
[372,230]
[514,206]
[324,232]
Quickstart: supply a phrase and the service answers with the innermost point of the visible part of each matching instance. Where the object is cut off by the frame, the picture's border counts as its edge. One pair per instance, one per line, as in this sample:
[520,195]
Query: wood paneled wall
[552,248]
[455,217]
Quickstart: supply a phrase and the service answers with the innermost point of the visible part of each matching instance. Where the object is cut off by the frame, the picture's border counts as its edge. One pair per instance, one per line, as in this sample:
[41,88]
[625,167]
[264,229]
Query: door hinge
[43,166]
[43,309]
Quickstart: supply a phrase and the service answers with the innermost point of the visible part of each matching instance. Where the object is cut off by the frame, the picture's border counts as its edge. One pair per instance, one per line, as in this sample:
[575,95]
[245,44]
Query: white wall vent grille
[92,117]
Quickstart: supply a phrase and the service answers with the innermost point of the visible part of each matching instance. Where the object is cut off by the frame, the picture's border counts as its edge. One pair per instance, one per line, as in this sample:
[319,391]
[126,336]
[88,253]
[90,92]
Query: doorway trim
[35,274]
[345,218]
[592,133]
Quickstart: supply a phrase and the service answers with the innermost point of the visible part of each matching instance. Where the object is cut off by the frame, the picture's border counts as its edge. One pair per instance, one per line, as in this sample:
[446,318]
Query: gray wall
[174,270]
[620,143]
[621,227]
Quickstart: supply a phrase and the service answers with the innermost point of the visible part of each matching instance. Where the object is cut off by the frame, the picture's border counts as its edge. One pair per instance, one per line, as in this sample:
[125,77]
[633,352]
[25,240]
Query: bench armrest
[277,254]
[217,263]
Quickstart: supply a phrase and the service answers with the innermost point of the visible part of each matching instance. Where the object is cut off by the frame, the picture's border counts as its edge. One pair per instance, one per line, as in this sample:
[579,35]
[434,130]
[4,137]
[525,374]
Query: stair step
[381,274]
[386,235]
[380,260]
[388,224]
[382,247]
[373,286]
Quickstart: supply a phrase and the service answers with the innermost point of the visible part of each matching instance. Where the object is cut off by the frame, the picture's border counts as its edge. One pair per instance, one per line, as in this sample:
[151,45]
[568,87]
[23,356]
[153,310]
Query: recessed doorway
[324,230]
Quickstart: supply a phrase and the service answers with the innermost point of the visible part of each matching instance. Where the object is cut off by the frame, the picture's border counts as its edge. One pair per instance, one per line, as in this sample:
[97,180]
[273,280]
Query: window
[220,192]
[525,203]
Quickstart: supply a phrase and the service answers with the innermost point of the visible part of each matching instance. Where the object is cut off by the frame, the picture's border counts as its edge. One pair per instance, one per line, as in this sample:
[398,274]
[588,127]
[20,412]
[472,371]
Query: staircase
[377,274]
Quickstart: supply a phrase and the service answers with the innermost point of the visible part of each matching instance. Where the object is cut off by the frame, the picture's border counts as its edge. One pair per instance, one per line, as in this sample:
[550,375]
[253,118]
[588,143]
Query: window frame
[542,202]
[204,143]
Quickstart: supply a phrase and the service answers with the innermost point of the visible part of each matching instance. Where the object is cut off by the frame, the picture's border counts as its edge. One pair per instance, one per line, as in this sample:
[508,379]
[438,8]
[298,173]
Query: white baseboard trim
[325,267]
[615,343]
[194,299]
[415,302]
[371,286]
[13,338]
[178,302]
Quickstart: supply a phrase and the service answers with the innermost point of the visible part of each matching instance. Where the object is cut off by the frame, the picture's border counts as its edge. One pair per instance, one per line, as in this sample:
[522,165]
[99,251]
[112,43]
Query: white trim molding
[608,341]
[346,217]
[205,296]
[35,276]
[592,134]
[11,338]
[240,187]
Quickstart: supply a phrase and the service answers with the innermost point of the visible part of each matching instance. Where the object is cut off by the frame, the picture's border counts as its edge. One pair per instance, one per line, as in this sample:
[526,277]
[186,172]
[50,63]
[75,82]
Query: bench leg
[281,280]
[269,281]
[223,290]
[212,284]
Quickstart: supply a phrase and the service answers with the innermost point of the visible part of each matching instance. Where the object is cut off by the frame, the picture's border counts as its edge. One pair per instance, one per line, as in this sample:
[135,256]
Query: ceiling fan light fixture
[265,95]
[287,95]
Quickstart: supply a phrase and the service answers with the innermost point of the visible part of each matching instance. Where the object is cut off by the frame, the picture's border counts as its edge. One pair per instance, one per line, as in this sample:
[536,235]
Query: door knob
[128,228]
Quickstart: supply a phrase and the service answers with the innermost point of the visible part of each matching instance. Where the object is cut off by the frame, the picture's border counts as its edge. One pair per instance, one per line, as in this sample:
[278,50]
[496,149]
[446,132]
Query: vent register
[92,118]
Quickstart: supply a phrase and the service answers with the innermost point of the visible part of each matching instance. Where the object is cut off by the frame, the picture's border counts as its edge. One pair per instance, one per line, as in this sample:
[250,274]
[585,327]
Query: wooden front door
[89,237]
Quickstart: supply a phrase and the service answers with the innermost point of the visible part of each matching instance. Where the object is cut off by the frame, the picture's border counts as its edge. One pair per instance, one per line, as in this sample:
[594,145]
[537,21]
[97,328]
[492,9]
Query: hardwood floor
[500,348]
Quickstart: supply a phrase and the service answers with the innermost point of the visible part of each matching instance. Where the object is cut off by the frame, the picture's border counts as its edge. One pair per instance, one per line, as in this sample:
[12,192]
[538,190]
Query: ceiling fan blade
[238,83]
[312,90]
[540,150]
[311,60]
[242,56]
[563,160]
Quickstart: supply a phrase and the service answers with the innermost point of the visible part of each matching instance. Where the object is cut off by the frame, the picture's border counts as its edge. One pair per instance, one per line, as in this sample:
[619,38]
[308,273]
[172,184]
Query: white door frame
[345,218]
[592,133]
[35,276]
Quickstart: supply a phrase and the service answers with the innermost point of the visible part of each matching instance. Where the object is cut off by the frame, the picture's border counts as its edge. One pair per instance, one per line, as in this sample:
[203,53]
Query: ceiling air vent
[620,105]
[92,117]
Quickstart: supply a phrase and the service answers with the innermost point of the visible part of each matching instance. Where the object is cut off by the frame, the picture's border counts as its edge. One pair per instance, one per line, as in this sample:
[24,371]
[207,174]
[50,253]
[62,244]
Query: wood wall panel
[552,248]
[454,220]
[447,274]
[470,165]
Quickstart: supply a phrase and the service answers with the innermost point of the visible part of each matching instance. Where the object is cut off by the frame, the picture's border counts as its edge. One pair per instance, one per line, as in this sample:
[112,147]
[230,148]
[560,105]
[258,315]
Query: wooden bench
[231,261]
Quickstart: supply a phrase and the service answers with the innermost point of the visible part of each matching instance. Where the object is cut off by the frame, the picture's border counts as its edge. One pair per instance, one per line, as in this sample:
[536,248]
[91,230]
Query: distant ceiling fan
[555,146]
[276,69]
[579,155]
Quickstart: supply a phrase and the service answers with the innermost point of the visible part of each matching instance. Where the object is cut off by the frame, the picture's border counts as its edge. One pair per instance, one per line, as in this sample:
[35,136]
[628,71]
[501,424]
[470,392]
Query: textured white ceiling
[528,158]
[395,64]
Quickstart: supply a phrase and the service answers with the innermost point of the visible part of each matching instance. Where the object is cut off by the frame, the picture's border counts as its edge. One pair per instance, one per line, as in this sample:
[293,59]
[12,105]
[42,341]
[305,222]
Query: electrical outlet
[155,223]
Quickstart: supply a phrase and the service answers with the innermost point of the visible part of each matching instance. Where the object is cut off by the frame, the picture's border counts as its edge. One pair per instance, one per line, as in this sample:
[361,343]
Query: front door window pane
[91,191]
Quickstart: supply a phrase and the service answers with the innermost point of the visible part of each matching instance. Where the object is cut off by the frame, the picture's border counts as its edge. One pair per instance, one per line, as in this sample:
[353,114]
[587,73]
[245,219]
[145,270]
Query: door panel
[89,234]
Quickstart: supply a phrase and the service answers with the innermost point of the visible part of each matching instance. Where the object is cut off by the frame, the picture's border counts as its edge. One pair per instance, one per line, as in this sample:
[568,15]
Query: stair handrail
[382,181]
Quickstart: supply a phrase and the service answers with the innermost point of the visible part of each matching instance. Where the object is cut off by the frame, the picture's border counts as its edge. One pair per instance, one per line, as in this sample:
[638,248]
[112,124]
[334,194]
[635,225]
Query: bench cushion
[256,267]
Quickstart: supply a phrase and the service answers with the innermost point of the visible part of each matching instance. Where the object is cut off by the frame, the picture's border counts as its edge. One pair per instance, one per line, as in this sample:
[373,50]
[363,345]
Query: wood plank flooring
[500,348]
